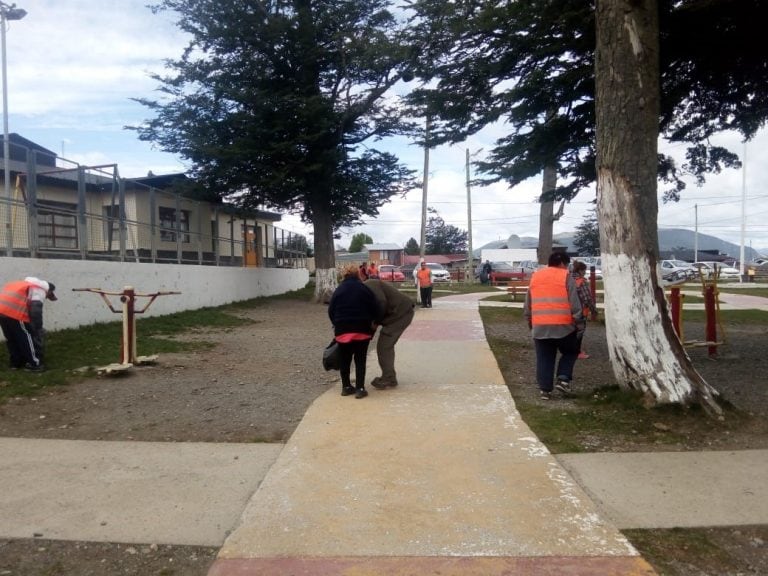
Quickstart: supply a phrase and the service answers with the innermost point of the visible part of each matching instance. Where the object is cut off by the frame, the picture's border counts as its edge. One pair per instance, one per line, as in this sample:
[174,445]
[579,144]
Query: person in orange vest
[554,314]
[588,308]
[21,319]
[424,278]
[373,271]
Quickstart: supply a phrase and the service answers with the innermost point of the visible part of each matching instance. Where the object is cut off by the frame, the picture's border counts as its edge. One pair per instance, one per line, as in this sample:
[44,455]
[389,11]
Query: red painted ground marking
[442,566]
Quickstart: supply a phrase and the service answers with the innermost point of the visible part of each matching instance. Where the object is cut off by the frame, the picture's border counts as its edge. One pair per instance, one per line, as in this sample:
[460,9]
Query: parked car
[391,273]
[707,269]
[439,274]
[505,271]
[676,270]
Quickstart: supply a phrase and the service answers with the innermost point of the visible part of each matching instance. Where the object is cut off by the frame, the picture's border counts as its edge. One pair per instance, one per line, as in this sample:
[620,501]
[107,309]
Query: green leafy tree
[273,104]
[442,238]
[412,247]
[587,238]
[531,64]
[358,241]
[646,355]
[685,69]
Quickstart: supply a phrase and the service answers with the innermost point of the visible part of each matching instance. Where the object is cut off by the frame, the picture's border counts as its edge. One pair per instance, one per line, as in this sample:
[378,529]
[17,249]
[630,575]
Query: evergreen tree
[358,241]
[646,354]
[412,247]
[442,238]
[531,64]
[271,104]
[587,238]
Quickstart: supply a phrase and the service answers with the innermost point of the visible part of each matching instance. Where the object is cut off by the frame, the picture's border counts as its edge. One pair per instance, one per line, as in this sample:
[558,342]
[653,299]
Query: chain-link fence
[54,208]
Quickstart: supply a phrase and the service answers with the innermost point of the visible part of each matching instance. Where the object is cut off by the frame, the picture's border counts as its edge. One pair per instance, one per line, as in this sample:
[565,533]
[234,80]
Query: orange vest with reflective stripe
[13,300]
[549,297]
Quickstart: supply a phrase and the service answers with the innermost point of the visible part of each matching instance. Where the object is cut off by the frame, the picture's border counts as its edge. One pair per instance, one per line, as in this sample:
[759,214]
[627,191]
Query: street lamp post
[7,13]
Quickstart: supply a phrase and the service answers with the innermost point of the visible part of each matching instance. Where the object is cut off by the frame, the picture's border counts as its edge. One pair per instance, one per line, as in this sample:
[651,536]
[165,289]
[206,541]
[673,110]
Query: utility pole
[424,188]
[696,233]
[742,267]
[470,267]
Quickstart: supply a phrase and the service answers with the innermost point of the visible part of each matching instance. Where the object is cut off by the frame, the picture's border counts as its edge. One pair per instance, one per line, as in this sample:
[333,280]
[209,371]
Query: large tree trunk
[546,213]
[326,278]
[645,352]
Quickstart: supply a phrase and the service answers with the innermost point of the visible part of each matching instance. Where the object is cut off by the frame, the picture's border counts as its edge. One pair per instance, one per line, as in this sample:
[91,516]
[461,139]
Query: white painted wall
[200,286]
[508,254]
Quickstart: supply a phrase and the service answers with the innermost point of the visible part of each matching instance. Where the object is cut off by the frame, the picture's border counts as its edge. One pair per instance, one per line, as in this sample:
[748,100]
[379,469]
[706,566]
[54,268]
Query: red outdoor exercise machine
[128,356]
[712,315]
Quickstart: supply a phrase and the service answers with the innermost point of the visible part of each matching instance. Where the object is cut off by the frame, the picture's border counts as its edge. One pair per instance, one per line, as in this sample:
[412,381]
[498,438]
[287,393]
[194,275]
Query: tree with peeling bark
[276,104]
[531,65]
[645,352]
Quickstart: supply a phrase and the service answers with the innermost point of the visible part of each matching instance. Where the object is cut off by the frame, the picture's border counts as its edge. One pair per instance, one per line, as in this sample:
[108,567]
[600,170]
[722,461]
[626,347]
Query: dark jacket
[395,304]
[354,308]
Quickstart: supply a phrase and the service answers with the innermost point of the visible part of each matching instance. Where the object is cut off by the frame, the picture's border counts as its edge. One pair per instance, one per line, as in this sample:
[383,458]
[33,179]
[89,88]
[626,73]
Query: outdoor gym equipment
[128,356]
[712,314]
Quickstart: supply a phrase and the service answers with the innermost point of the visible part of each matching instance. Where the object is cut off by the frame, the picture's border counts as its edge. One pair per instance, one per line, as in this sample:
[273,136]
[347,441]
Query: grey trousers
[385,348]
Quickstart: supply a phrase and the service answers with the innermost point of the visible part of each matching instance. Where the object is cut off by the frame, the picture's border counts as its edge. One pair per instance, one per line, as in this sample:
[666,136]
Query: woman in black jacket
[354,313]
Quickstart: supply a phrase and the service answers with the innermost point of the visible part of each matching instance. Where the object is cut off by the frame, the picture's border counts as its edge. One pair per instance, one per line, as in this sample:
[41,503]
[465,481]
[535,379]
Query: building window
[168,225]
[111,224]
[57,224]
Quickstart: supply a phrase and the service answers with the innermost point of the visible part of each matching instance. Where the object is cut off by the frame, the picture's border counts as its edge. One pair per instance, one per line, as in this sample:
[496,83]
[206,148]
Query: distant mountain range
[670,239]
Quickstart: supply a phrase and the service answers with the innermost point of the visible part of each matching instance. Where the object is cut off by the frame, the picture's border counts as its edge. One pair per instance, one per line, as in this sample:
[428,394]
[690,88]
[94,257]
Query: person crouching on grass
[355,314]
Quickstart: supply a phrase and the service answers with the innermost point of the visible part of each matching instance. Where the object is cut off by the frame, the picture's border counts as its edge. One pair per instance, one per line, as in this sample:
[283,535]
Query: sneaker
[545,395]
[31,368]
[347,390]
[381,384]
[583,356]
[563,387]
[361,393]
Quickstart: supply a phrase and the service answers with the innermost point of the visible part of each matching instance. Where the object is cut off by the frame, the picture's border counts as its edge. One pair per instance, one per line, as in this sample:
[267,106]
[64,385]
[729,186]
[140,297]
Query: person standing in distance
[588,308]
[554,314]
[21,320]
[354,313]
[424,277]
[398,315]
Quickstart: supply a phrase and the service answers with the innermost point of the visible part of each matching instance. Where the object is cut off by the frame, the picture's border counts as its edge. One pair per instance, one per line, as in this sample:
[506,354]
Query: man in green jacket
[398,314]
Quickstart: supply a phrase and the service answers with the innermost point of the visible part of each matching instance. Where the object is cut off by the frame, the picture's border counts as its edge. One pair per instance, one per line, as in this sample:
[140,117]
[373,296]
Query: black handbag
[331,356]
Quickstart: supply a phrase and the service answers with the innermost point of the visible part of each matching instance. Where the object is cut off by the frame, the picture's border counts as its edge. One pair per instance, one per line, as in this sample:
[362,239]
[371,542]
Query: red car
[391,273]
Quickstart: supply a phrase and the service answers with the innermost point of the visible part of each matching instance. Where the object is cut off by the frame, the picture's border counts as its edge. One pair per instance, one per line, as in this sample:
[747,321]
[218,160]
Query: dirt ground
[256,384]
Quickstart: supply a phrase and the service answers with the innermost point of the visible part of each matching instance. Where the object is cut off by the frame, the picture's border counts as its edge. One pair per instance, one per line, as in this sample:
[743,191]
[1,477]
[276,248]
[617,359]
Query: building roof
[370,247]
[436,258]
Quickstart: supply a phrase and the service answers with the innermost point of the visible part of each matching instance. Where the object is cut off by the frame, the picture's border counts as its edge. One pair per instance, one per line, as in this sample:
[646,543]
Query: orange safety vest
[425,277]
[14,300]
[549,297]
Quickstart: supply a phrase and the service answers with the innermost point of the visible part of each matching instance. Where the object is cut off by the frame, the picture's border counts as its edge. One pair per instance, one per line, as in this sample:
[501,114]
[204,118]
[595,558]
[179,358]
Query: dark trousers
[546,358]
[426,296]
[20,342]
[357,349]
[385,347]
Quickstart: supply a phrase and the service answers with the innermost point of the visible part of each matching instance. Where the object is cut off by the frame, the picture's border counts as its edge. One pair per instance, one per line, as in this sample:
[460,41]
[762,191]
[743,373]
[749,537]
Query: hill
[671,239]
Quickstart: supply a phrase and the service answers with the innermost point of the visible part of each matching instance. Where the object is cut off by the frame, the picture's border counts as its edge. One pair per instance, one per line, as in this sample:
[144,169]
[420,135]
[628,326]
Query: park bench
[506,278]
[517,286]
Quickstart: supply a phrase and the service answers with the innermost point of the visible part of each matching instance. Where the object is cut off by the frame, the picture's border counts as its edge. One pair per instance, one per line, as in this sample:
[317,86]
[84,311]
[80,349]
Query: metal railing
[60,209]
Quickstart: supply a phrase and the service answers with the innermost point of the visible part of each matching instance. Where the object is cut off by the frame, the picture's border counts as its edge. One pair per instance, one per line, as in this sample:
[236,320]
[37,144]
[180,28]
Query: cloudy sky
[74,65]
